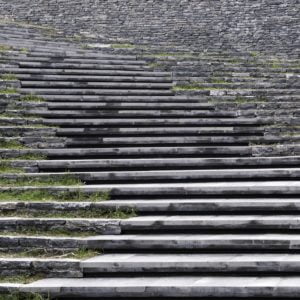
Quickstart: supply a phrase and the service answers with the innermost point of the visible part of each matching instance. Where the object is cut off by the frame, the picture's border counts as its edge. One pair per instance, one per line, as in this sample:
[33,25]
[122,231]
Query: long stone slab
[172,286]
[211,222]
[154,176]
[192,263]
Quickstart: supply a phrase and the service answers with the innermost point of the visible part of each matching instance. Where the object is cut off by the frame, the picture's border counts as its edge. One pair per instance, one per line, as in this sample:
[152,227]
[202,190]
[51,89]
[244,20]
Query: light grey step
[117,92]
[225,189]
[98,226]
[192,263]
[91,164]
[94,85]
[171,175]
[205,223]
[50,267]
[177,286]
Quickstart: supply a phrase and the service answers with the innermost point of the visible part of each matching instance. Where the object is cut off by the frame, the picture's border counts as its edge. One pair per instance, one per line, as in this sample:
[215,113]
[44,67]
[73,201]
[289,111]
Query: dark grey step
[51,267]
[92,85]
[161,122]
[90,78]
[85,72]
[222,188]
[163,205]
[94,66]
[228,151]
[192,263]
[257,162]
[85,91]
[67,60]
[167,131]
[237,223]
[173,175]
[115,113]
[78,225]
[131,105]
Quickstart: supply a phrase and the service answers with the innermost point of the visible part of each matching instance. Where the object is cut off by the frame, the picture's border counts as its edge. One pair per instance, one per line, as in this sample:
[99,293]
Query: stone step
[208,223]
[170,175]
[79,66]
[172,286]
[210,163]
[85,91]
[160,122]
[49,267]
[130,113]
[192,263]
[204,130]
[130,105]
[264,205]
[84,54]
[84,72]
[166,140]
[157,242]
[158,152]
[91,78]
[61,59]
[65,99]
[93,85]
[221,188]
[75,226]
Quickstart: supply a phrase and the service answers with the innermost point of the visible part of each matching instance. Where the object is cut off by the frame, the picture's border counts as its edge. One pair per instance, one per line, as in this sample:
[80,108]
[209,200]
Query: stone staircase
[174,184]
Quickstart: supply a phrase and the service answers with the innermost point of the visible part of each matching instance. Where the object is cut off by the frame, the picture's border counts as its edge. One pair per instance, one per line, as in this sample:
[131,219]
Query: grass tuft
[31,156]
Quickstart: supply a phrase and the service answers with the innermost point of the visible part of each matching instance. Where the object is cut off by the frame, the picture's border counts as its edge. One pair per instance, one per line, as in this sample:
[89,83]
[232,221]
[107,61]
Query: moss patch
[5,167]
[32,97]
[8,77]
[11,145]
[8,91]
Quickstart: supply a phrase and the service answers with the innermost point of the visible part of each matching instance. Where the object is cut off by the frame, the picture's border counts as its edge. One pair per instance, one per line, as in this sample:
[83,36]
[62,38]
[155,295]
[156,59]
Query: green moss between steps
[18,295]
[81,253]
[91,213]
[41,181]
[38,195]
